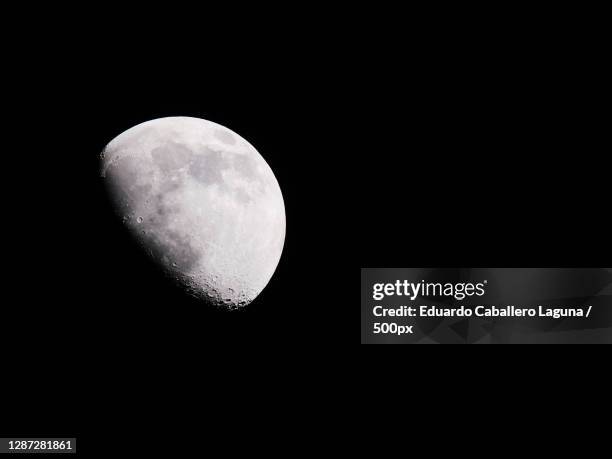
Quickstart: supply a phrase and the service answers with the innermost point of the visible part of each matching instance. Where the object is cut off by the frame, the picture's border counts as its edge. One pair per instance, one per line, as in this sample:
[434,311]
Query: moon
[202,202]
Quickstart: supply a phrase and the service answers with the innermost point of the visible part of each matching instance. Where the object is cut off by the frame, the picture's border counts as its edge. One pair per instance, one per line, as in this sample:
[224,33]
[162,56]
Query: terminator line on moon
[202,202]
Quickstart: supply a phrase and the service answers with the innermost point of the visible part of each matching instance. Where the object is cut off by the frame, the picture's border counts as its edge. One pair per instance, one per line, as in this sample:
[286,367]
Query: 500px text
[392,329]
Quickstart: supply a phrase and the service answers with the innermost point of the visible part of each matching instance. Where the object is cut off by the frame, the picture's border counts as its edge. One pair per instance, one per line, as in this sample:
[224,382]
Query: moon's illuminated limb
[202,201]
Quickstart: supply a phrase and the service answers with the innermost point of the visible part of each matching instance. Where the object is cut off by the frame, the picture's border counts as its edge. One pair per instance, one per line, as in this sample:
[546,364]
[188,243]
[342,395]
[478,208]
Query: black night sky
[389,152]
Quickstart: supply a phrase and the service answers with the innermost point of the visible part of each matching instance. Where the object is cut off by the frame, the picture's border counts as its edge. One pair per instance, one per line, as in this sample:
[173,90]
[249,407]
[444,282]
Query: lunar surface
[202,202]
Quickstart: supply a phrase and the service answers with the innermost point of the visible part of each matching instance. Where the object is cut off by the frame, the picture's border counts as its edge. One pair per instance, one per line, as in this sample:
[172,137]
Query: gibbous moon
[202,202]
